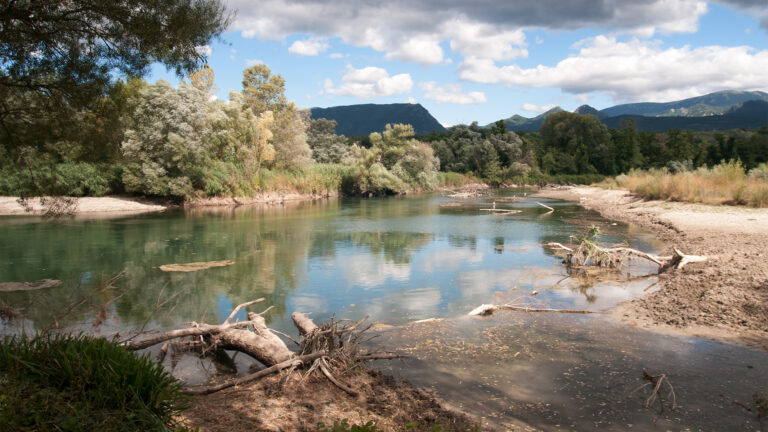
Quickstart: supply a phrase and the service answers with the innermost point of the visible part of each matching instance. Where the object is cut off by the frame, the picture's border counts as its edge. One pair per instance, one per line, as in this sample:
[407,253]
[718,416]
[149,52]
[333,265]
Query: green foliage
[79,383]
[169,139]
[68,179]
[327,147]
[51,64]
[263,92]
[394,164]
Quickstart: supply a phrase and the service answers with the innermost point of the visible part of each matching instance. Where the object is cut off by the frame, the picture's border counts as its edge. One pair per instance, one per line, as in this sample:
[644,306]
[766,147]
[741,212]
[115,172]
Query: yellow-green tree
[263,92]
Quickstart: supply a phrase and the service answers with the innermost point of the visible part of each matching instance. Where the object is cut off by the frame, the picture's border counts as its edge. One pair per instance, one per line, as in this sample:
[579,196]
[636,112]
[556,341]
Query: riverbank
[725,298]
[282,403]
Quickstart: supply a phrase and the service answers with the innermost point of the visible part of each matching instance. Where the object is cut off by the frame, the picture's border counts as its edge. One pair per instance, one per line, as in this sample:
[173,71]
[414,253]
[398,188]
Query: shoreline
[115,205]
[725,298]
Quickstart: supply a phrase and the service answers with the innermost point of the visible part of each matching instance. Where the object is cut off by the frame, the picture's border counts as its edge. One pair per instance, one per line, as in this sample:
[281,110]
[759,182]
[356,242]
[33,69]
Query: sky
[484,60]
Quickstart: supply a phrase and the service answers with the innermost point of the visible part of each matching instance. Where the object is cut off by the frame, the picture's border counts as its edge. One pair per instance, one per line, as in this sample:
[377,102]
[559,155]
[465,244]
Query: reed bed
[726,183]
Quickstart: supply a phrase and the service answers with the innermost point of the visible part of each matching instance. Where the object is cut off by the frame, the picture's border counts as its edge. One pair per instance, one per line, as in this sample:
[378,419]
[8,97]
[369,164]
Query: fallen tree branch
[324,369]
[256,375]
[678,260]
[488,309]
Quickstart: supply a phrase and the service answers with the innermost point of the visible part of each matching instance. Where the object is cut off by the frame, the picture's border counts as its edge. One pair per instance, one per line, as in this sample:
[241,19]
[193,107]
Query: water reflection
[396,259]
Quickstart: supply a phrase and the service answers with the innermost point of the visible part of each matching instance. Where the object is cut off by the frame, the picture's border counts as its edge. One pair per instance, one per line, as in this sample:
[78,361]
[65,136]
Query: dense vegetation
[80,383]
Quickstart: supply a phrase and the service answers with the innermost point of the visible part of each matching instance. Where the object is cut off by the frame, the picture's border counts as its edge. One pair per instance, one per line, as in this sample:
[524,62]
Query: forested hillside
[361,120]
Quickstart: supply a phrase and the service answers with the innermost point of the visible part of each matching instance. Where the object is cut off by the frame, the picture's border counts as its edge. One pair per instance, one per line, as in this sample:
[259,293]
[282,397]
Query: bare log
[488,309]
[303,323]
[256,375]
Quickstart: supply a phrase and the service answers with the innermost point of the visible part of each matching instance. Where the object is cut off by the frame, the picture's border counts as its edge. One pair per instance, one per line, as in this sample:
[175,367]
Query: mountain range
[361,120]
[715,111]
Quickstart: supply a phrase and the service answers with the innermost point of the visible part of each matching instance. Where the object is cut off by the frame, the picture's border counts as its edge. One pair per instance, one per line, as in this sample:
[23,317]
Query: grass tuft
[79,383]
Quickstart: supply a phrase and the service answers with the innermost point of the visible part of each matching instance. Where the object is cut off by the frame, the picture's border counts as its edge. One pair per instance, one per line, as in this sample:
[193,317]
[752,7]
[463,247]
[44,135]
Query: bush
[81,383]
[65,179]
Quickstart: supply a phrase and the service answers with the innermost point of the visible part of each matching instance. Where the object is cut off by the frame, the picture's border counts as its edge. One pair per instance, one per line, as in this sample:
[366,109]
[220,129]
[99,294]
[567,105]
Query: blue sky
[484,60]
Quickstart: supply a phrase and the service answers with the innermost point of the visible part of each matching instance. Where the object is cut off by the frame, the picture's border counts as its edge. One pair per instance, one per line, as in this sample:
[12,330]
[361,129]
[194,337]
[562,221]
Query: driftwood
[546,206]
[194,266]
[28,286]
[612,256]
[330,347]
[488,309]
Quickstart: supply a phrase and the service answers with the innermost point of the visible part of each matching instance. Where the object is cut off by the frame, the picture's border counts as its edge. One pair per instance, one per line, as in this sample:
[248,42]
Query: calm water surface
[397,260]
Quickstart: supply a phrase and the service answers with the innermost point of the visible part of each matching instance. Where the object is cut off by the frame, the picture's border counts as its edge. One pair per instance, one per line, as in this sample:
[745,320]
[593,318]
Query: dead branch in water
[331,348]
[657,382]
[488,309]
[591,254]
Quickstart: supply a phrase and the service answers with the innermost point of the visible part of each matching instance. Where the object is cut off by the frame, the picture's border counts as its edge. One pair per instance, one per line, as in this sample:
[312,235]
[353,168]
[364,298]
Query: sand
[725,298]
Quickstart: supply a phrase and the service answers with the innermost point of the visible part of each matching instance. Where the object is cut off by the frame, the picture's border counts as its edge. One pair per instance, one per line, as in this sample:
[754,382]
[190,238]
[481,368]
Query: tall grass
[454,179]
[313,179]
[78,383]
[726,183]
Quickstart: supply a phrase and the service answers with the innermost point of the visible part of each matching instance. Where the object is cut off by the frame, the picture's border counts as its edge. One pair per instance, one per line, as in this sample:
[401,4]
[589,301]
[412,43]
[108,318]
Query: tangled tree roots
[332,348]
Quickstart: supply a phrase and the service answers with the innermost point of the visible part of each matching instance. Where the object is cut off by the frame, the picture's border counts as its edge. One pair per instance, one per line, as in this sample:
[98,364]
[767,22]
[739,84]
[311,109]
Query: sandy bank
[725,298]
[10,206]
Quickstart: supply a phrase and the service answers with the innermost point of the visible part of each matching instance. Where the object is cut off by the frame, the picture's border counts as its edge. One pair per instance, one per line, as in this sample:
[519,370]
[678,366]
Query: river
[398,260]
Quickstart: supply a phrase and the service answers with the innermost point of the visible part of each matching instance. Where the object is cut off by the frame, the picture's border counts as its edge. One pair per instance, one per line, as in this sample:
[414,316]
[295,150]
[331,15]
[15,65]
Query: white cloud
[308,47]
[451,93]
[410,100]
[253,62]
[369,82]
[368,74]
[486,41]
[537,108]
[422,50]
[337,55]
[414,30]
[635,70]
[204,50]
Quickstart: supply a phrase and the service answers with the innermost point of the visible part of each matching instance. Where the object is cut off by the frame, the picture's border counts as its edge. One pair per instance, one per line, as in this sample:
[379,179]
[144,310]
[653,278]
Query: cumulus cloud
[414,30]
[451,93]
[369,82]
[635,69]
[424,50]
[537,108]
[308,47]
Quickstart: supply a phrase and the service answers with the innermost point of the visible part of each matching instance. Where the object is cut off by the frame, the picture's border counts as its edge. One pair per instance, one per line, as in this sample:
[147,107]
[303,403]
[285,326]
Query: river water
[398,260]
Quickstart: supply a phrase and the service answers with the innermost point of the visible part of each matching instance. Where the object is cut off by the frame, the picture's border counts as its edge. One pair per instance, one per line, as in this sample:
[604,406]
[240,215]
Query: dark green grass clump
[75,383]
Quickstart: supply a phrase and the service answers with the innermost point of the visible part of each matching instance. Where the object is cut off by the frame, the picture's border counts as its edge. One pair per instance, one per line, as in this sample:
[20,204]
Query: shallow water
[397,260]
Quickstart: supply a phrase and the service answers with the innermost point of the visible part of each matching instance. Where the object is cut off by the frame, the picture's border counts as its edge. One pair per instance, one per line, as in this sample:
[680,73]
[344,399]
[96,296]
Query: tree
[203,79]
[263,91]
[327,147]
[169,139]
[247,136]
[579,144]
[71,49]
[395,163]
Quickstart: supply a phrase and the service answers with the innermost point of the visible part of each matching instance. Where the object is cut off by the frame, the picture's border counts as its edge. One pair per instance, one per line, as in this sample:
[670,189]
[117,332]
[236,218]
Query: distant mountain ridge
[749,115]
[361,120]
[709,104]
[715,111]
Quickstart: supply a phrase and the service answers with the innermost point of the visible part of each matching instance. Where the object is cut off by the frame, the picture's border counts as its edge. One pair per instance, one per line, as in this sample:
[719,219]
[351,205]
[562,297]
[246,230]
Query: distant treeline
[575,144]
[157,140]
